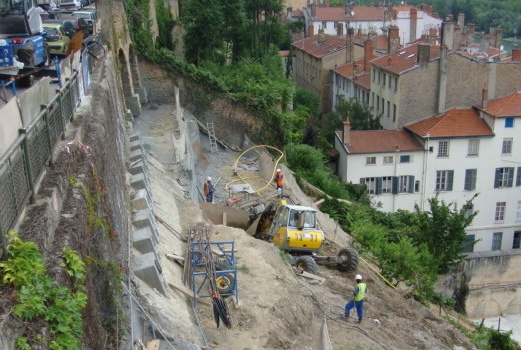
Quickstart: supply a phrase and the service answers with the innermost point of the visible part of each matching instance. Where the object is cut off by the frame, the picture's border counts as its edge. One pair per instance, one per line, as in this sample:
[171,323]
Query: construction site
[224,287]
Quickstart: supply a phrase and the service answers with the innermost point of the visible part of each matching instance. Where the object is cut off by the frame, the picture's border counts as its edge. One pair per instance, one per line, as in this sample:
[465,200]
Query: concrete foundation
[148,269]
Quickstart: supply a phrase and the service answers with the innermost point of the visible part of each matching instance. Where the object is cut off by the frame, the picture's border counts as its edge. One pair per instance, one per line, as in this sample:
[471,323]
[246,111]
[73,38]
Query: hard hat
[358,277]
[209,178]
[278,170]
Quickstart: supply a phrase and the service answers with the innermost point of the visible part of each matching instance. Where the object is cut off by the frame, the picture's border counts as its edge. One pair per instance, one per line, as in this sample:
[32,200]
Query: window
[496,240]
[444,180]
[395,84]
[405,159]
[500,211]
[388,110]
[388,160]
[469,210]
[509,122]
[443,148]
[394,112]
[468,245]
[507,146]
[403,184]
[504,177]
[384,79]
[518,178]
[417,186]
[516,242]
[324,25]
[387,184]
[370,182]
[470,179]
[390,79]
[518,211]
[473,148]
[370,160]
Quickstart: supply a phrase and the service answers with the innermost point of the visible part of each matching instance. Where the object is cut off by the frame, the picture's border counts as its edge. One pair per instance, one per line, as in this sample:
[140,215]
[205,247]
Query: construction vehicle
[22,47]
[294,229]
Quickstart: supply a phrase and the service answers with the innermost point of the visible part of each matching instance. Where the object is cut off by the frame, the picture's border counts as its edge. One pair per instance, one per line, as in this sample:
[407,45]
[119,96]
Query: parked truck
[23,50]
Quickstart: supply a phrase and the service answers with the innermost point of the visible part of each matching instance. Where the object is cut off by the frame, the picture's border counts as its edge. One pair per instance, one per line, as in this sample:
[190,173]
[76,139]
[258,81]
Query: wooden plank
[187,292]
[177,258]
[303,273]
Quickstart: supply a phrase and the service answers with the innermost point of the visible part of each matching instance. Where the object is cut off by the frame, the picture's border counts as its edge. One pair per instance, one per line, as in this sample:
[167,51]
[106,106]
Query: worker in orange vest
[209,189]
[279,180]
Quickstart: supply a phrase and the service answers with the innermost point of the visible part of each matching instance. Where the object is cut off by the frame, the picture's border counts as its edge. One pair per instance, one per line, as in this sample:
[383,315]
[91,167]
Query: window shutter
[395,185]
[518,178]
[450,179]
[496,179]
[511,177]
[410,184]
[362,181]
[378,185]
[468,179]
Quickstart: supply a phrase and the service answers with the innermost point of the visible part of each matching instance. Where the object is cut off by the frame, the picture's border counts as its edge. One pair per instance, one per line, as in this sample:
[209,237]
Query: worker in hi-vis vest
[279,180]
[358,299]
[209,189]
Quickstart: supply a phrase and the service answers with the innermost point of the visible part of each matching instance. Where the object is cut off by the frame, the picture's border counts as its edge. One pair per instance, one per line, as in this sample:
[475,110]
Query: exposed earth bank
[276,309]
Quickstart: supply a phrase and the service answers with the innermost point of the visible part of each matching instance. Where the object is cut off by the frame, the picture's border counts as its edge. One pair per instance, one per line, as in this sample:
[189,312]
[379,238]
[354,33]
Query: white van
[70,5]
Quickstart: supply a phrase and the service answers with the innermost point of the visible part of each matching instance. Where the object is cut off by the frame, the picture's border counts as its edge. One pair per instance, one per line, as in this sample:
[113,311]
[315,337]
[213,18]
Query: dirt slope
[277,308]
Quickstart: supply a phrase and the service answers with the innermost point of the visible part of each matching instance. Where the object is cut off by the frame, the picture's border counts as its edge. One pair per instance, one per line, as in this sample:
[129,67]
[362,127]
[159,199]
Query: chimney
[461,19]
[484,97]
[393,38]
[368,55]
[485,43]
[340,29]
[433,35]
[413,24]
[447,35]
[311,30]
[320,36]
[424,53]
[348,9]
[497,38]
[347,132]
[350,45]
[516,54]
[372,35]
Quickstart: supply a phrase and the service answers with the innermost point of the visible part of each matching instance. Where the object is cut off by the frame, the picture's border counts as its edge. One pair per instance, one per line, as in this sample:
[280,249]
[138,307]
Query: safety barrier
[24,161]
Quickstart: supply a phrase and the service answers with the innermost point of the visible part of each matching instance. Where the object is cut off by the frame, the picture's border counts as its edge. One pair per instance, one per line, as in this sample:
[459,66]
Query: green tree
[203,22]
[442,230]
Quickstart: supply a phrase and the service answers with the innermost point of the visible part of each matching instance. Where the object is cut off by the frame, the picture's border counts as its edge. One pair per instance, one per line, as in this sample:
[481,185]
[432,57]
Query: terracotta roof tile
[371,13]
[404,59]
[508,106]
[463,122]
[378,141]
[362,78]
[330,45]
[474,51]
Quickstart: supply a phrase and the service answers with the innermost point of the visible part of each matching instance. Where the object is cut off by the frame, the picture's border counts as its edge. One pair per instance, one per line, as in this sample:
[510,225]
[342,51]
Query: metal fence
[26,159]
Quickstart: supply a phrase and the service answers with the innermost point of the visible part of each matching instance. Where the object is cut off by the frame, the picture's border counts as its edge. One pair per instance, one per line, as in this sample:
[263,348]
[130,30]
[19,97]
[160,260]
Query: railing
[25,160]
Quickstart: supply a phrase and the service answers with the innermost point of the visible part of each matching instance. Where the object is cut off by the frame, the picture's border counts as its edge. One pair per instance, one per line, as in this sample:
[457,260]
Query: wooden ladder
[211,136]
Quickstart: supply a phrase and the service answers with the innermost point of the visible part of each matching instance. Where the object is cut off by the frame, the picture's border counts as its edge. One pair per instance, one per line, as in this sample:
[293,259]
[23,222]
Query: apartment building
[412,22]
[315,57]
[457,154]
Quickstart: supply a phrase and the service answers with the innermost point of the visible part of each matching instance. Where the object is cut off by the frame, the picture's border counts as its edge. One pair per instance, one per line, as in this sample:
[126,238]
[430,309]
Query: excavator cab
[294,228]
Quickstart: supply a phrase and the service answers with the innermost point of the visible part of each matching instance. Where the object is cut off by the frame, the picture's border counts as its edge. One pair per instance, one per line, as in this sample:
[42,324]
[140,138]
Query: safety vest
[362,288]
[279,177]
[206,189]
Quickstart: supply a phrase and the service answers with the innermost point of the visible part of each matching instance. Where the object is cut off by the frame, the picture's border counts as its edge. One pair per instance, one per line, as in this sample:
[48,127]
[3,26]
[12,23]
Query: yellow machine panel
[302,240]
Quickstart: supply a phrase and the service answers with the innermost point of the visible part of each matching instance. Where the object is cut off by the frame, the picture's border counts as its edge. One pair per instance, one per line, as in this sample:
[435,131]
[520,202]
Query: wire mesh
[38,148]
[15,183]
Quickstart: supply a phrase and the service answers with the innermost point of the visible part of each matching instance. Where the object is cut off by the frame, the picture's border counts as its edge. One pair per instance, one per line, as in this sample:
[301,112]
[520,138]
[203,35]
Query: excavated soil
[275,308]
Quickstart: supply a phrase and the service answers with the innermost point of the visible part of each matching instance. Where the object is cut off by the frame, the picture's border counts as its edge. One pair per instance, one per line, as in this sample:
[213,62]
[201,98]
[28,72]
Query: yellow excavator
[294,229]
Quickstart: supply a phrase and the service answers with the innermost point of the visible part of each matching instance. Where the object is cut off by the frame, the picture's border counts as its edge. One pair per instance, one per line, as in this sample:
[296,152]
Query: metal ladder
[211,136]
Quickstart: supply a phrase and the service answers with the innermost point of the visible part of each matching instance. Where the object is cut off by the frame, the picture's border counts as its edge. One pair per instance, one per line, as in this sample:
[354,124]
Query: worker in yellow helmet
[358,299]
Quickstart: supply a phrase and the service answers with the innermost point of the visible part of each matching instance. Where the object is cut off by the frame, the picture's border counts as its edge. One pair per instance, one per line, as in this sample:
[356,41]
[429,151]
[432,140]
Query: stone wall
[492,281]
[231,120]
